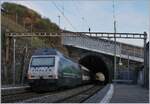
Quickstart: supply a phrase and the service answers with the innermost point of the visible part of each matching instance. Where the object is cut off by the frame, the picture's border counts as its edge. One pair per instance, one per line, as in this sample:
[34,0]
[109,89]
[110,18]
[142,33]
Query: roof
[46,51]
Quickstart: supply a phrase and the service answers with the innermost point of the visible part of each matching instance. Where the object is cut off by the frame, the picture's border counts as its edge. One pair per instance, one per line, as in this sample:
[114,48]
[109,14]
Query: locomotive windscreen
[43,61]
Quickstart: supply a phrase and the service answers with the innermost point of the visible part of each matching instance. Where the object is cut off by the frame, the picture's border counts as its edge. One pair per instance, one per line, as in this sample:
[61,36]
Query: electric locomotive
[48,68]
[100,78]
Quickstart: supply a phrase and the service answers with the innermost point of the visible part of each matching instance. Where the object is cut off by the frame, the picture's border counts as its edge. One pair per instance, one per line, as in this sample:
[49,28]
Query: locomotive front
[42,70]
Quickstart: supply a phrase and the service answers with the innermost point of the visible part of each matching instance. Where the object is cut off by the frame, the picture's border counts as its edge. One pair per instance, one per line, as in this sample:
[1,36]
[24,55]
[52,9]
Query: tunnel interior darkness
[95,64]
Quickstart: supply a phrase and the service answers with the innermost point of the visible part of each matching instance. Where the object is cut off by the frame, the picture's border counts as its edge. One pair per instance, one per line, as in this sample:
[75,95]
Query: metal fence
[104,46]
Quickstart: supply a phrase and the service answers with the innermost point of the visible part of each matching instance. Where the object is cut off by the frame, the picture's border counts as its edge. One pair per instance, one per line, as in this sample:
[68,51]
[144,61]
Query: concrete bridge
[97,54]
[104,46]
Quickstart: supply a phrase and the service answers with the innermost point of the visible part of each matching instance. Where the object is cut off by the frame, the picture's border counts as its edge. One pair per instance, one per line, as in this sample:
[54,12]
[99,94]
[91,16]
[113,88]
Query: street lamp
[120,62]
[128,66]
[115,68]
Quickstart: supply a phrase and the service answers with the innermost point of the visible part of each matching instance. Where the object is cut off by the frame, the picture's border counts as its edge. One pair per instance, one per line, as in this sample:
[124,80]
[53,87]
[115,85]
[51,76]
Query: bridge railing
[99,45]
[135,54]
[92,44]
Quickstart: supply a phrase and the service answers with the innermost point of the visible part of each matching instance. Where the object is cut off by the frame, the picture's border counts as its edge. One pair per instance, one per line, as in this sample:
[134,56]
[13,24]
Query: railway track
[12,98]
[74,95]
[21,96]
[29,95]
[81,96]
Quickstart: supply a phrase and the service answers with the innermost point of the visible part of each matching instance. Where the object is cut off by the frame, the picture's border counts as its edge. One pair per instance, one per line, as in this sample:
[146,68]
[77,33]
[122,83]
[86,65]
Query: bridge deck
[105,46]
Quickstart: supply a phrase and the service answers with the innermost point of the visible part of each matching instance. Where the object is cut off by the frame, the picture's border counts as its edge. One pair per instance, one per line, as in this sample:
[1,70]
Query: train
[49,68]
[99,78]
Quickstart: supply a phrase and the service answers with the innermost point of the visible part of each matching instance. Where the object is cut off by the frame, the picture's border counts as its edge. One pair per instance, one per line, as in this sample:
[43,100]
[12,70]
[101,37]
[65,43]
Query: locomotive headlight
[55,76]
[29,75]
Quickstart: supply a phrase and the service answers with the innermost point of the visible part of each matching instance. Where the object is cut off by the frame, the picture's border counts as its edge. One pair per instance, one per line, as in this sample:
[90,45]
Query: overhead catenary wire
[78,10]
[62,13]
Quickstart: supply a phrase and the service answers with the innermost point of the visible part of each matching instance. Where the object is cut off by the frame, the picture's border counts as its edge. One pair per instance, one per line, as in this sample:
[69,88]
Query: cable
[64,15]
[81,15]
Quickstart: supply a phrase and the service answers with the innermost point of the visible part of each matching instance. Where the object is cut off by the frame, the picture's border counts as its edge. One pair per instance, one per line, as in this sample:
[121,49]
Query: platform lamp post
[14,61]
[145,59]
[128,65]
[115,70]
[120,62]
[120,66]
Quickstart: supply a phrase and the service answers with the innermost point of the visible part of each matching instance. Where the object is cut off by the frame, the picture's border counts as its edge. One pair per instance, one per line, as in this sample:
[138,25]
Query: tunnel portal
[96,65]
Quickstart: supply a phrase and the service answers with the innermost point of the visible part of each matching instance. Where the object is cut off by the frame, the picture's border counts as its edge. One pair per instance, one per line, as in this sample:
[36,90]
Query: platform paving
[127,93]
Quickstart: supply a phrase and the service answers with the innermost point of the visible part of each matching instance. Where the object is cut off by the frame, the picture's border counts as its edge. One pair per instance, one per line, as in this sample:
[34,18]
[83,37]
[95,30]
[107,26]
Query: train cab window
[43,61]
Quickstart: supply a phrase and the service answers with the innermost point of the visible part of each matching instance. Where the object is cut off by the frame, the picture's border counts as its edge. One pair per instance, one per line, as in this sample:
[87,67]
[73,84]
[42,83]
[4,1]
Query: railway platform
[111,93]
[129,93]
[120,93]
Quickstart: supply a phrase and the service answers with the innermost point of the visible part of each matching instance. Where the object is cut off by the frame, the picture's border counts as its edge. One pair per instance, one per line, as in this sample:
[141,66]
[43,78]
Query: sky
[79,15]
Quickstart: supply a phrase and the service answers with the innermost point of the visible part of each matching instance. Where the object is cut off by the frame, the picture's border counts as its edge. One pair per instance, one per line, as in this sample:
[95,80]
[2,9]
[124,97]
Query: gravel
[57,96]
